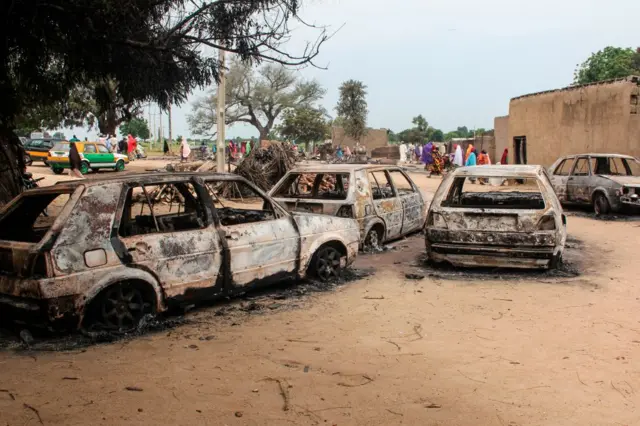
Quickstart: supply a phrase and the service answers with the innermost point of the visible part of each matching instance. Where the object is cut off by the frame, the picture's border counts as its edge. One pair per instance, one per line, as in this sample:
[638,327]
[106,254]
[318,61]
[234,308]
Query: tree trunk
[11,165]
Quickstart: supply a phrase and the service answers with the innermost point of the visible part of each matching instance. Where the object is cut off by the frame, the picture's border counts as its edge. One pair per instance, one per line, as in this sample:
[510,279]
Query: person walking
[505,157]
[185,150]
[471,159]
[74,139]
[107,142]
[75,162]
[458,159]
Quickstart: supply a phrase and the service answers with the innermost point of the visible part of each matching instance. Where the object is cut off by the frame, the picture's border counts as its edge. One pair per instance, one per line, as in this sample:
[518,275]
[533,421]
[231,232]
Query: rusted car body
[608,182]
[117,249]
[383,199]
[518,223]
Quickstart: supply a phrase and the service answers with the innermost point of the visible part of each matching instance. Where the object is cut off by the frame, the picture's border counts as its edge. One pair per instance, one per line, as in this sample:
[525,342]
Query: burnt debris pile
[266,166]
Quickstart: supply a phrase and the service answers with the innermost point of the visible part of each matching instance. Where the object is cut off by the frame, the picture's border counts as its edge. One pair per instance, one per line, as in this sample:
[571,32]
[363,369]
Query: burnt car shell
[608,182]
[51,275]
[382,199]
[494,228]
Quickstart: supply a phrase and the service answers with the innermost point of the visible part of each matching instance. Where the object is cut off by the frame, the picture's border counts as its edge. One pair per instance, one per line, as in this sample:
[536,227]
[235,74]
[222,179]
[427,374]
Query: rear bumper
[51,313]
[492,249]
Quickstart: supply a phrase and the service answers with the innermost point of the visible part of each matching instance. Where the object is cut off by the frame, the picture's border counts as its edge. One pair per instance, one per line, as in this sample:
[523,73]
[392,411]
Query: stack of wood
[307,180]
[265,167]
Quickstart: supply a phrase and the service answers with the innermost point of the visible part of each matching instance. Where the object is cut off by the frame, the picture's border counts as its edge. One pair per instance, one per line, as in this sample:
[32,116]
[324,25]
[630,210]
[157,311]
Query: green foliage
[606,64]
[421,124]
[255,97]
[352,108]
[136,127]
[437,136]
[304,125]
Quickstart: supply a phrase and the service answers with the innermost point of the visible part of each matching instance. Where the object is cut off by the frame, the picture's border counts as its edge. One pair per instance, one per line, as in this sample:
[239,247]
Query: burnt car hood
[624,180]
[310,223]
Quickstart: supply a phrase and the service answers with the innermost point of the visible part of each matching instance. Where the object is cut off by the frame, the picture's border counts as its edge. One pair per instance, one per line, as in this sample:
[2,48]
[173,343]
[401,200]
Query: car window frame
[203,198]
[278,211]
[86,145]
[370,175]
[562,162]
[106,150]
[575,165]
[411,183]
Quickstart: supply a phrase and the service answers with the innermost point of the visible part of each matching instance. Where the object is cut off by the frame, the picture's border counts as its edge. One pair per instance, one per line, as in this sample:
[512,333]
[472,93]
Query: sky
[456,62]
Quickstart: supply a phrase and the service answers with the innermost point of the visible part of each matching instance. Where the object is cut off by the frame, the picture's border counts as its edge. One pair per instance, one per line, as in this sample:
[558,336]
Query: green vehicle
[95,156]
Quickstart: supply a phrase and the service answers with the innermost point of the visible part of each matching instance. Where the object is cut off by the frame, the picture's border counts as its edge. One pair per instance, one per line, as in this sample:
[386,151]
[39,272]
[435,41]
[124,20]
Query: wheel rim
[84,168]
[328,264]
[120,166]
[123,307]
[372,239]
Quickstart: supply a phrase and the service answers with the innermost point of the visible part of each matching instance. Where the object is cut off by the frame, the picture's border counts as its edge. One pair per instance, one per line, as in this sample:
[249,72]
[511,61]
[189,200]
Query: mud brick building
[374,138]
[599,117]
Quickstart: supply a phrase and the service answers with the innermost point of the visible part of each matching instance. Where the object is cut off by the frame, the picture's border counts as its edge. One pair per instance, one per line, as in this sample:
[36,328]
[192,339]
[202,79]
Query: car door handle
[232,236]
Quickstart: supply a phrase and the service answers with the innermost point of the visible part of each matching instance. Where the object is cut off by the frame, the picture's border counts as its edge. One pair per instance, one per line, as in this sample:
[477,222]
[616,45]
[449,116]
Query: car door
[164,228]
[262,240]
[412,203]
[386,203]
[90,153]
[560,177]
[104,158]
[578,181]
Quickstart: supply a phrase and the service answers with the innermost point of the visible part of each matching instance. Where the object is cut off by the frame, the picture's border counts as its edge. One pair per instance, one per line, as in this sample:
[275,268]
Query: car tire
[120,307]
[601,204]
[556,261]
[57,170]
[84,167]
[325,264]
[28,160]
[119,166]
[373,238]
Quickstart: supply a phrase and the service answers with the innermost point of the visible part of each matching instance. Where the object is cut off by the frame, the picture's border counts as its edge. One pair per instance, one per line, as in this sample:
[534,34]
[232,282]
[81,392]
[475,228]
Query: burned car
[608,182]
[497,216]
[383,199]
[106,252]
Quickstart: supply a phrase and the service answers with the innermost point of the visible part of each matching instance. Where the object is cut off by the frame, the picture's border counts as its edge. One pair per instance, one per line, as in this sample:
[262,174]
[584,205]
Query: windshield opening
[518,193]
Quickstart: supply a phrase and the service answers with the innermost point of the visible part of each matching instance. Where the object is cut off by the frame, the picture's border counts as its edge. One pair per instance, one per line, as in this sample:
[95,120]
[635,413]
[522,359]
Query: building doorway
[520,149]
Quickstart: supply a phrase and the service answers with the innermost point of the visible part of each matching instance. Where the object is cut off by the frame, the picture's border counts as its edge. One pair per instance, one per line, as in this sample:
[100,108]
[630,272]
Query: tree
[254,97]
[152,49]
[451,135]
[437,136]
[304,125]
[352,108]
[136,127]
[606,64]
[420,123]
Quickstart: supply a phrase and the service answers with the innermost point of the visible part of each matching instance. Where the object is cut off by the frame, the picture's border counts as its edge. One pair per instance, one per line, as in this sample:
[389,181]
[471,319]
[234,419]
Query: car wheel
[27,160]
[119,166]
[84,167]
[121,307]
[556,261]
[326,263]
[600,204]
[57,170]
[373,239]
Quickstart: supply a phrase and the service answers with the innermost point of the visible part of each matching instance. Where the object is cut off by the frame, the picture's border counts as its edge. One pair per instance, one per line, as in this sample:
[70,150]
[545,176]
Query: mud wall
[592,118]
[375,138]
[501,134]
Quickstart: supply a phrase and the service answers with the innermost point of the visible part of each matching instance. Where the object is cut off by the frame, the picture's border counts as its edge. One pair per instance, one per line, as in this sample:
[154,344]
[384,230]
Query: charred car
[383,199]
[608,182]
[496,216]
[107,252]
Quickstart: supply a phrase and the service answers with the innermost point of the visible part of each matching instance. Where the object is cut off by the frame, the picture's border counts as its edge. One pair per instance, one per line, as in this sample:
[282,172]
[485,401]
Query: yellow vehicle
[38,149]
[94,156]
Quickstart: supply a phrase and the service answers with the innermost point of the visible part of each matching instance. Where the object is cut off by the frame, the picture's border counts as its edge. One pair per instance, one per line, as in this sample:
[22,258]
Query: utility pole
[170,132]
[221,115]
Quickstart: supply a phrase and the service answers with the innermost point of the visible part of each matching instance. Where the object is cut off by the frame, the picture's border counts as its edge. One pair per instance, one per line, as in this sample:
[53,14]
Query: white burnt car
[608,182]
[497,216]
[109,251]
[383,199]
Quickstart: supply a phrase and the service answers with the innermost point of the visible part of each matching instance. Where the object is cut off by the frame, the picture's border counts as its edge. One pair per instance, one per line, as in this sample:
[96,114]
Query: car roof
[321,167]
[599,154]
[499,171]
[136,177]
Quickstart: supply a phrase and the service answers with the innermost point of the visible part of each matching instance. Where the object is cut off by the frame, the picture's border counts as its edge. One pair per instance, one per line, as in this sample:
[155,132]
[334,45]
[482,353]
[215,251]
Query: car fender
[614,201]
[305,258]
[370,222]
[125,274]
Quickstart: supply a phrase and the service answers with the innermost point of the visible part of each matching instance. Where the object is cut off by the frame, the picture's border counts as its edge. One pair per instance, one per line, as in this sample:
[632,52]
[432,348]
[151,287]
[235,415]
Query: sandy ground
[491,348]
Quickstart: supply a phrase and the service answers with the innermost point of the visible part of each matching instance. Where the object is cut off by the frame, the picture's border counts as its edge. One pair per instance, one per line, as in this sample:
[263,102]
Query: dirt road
[491,348]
